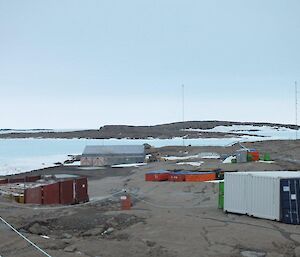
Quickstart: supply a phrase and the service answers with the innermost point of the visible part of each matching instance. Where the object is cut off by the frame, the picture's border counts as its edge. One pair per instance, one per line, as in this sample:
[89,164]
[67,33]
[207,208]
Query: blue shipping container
[290,200]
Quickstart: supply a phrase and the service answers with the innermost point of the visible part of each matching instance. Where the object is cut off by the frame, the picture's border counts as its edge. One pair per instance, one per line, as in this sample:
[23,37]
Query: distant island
[189,130]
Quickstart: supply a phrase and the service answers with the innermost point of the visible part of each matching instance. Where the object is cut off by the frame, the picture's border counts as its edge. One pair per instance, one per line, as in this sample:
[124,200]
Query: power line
[25,238]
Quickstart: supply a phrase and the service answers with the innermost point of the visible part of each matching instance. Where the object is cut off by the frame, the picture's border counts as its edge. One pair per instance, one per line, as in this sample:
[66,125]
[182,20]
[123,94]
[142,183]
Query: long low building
[107,155]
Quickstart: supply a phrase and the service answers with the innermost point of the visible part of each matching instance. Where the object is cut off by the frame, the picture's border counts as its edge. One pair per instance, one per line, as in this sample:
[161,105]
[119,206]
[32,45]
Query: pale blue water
[19,148]
[20,155]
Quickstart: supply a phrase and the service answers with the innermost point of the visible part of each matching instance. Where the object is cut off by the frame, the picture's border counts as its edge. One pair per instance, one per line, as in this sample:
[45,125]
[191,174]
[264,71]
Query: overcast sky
[82,64]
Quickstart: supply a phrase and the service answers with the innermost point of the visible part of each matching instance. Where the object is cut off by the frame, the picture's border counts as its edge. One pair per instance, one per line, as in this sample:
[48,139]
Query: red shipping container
[254,155]
[157,176]
[3,181]
[200,177]
[126,202]
[33,195]
[16,180]
[67,192]
[32,178]
[81,189]
[177,177]
[50,194]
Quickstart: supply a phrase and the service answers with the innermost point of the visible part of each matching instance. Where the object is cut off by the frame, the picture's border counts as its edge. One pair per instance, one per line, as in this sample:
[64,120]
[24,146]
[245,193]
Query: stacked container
[63,192]
[158,175]
[177,176]
[200,176]
[270,195]
[253,155]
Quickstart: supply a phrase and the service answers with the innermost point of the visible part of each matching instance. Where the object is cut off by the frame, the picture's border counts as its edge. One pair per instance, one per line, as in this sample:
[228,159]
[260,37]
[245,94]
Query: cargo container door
[290,200]
[81,188]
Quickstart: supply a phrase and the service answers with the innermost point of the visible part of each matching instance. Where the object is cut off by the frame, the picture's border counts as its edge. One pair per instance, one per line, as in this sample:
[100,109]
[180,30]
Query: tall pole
[183,127]
[296,110]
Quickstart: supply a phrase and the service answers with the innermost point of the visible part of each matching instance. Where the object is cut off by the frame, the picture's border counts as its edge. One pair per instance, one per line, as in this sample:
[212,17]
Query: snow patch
[215,181]
[229,159]
[196,164]
[209,156]
[128,165]
[262,131]
[175,158]
[11,166]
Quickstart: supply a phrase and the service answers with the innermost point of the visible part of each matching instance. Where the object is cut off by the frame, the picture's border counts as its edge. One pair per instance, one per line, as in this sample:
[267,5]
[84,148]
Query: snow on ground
[196,164]
[229,159]
[175,158]
[8,131]
[268,162]
[201,155]
[215,181]
[76,163]
[91,168]
[11,166]
[209,156]
[128,165]
[264,131]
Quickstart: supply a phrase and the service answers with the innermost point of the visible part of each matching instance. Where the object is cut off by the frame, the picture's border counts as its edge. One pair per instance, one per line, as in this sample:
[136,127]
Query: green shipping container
[267,157]
[249,157]
[221,195]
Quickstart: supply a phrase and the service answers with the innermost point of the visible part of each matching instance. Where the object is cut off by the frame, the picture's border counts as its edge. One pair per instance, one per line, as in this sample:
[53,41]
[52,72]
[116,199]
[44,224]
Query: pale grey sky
[82,64]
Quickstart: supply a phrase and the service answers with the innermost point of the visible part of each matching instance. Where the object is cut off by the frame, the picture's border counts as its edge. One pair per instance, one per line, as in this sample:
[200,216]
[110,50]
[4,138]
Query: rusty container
[67,192]
[3,181]
[177,176]
[16,180]
[20,198]
[200,176]
[126,203]
[32,178]
[81,190]
[159,175]
[33,195]
[253,155]
[50,194]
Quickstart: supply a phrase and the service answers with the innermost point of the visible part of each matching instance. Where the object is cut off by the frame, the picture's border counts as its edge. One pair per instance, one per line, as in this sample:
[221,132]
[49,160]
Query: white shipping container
[255,193]
[235,192]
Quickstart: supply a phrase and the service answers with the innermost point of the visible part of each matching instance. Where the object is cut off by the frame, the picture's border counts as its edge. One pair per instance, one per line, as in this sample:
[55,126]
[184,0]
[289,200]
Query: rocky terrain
[167,219]
[163,131]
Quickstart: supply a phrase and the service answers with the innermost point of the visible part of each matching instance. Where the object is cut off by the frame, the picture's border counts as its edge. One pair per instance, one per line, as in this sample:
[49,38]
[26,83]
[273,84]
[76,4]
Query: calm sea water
[20,155]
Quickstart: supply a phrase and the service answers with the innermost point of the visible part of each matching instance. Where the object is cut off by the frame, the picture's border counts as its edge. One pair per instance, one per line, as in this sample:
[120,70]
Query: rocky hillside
[170,130]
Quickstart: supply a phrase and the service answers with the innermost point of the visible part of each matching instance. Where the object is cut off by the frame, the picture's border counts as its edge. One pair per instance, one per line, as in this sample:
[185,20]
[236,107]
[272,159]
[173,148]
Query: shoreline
[283,152]
[188,129]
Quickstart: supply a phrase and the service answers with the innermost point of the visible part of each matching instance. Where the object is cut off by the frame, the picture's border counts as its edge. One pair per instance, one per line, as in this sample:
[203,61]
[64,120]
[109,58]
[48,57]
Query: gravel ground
[167,219]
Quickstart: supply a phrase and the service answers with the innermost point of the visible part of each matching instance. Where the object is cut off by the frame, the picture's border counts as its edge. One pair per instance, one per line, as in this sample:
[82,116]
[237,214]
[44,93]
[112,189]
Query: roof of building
[113,149]
[273,174]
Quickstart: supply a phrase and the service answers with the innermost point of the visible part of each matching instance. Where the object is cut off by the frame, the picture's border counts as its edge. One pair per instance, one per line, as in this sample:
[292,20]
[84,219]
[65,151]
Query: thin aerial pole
[183,127]
[296,108]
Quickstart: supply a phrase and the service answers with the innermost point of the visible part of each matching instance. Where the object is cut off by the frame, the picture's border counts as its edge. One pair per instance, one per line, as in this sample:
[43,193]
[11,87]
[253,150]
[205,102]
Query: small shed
[106,155]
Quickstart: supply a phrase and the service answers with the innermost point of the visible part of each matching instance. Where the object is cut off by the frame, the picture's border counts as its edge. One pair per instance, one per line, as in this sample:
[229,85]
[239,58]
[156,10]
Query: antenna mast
[296,110]
[183,127]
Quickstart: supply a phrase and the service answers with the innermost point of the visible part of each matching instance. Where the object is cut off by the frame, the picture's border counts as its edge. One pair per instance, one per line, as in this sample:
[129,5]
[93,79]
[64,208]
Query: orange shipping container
[254,156]
[200,176]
